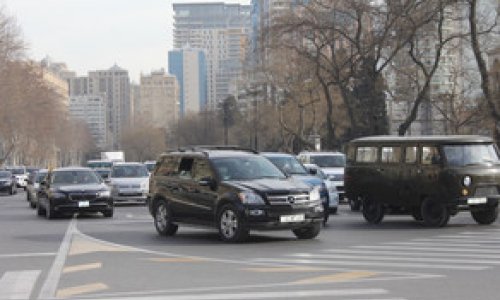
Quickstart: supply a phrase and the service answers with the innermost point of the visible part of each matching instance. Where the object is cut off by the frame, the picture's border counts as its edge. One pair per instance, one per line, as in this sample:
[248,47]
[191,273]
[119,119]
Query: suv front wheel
[230,225]
[310,232]
[163,219]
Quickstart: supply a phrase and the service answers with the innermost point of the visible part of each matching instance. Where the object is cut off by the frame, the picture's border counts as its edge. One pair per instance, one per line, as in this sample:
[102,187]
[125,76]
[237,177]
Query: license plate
[83,203]
[481,200]
[292,218]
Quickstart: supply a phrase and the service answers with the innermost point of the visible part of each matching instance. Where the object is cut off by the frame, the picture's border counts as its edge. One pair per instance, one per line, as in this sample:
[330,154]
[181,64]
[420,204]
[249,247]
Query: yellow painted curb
[85,267]
[337,277]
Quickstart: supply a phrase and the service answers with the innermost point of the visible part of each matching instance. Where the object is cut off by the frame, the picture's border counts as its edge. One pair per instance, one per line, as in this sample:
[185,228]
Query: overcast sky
[95,34]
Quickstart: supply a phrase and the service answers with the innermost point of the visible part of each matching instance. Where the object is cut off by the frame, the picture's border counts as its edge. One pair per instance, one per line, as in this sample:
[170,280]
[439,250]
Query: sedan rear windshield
[129,171]
[465,155]
[4,174]
[18,171]
[328,161]
[75,178]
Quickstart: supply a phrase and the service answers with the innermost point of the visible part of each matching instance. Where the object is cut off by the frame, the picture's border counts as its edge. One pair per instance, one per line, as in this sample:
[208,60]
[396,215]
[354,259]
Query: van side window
[430,155]
[366,154]
[411,155]
[168,167]
[391,154]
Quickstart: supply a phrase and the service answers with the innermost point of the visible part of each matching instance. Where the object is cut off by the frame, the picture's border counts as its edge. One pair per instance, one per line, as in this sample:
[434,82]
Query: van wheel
[355,204]
[307,233]
[485,217]
[373,211]
[230,225]
[434,213]
[163,219]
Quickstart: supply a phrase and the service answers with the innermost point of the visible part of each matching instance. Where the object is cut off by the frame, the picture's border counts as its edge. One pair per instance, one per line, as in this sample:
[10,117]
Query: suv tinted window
[246,168]
[169,167]
[366,154]
[202,170]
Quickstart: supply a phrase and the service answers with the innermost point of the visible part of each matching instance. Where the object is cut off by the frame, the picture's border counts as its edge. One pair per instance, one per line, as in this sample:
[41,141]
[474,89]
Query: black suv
[233,189]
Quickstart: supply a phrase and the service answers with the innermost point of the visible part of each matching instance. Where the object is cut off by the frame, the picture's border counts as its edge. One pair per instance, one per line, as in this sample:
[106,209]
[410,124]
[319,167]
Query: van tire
[434,213]
[485,217]
[307,233]
[373,210]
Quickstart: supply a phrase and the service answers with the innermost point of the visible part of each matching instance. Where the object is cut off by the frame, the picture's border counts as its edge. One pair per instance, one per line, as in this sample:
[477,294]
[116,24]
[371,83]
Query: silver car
[129,182]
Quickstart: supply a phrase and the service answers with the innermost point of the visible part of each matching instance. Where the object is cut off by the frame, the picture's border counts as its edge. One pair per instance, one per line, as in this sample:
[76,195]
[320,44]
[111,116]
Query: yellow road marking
[82,289]
[336,277]
[80,245]
[284,269]
[175,259]
[85,267]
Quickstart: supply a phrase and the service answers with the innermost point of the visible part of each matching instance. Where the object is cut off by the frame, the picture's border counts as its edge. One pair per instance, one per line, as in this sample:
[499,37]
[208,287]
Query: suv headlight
[104,194]
[467,181]
[250,198]
[314,194]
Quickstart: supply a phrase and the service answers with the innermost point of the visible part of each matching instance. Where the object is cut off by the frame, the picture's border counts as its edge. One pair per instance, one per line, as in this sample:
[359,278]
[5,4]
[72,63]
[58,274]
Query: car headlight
[314,194]
[104,194]
[467,181]
[250,198]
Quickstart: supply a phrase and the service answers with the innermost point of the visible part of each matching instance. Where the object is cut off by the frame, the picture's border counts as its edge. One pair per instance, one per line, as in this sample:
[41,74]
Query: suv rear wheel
[163,219]
[485,217]
[434,213]
[373,210]
[230,225]
[309,232]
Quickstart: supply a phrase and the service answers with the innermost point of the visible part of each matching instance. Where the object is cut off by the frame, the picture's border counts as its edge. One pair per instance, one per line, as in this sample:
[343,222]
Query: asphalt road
[91,257]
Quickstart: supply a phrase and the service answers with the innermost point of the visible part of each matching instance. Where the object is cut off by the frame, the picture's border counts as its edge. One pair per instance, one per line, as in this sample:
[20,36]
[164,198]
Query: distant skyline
[95,34]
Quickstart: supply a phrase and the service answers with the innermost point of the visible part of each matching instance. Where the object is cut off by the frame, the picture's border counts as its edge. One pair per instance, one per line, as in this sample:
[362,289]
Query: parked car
[33,186]
[103,172]
[233,190]
[333,195]
[74,190]
[332,164]
[21,175]
[428,177]
[150,164]
[129,182]
[289,165]
[7,182]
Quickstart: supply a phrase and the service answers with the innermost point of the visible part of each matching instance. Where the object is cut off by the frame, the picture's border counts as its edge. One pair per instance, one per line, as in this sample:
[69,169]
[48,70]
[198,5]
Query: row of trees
[34,125]
[331,67]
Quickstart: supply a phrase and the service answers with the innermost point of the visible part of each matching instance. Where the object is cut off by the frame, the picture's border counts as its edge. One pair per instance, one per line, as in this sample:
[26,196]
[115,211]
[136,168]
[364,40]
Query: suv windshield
[463,155]
[328,161]
[246,168]
[288,164]
[74,178]
[5,174]
[129,171]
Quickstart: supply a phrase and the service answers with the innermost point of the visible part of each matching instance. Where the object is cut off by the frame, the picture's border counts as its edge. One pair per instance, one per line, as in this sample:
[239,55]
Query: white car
[331,163]
[129,182]
[21,175]
[333,194]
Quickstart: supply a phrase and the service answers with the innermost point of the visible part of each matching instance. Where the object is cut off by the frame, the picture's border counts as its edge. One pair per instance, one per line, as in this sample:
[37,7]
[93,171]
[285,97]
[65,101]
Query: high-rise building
[115,84]
[189,67]
[221,30]
[159,98]
[92,110]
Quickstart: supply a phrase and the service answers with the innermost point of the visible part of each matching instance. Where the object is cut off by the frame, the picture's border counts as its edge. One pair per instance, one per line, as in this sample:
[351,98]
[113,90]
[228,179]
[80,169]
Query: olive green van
[428,177]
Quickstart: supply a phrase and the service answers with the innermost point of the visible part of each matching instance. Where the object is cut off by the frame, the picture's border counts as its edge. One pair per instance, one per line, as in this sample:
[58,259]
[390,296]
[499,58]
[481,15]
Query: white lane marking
[130,216]
[412,254]
[18,284]
[440,244]
[265,295]
[49,287]
[458,241]
[372,264]
[40,254]
[392,258]
[470,236]
[431,249]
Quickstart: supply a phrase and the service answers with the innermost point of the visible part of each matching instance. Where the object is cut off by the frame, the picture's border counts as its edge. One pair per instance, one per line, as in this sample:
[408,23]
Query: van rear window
[366,154]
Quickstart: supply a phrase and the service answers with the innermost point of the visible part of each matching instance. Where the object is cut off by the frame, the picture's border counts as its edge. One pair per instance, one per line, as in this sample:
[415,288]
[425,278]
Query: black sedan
[74,190]
[7,182]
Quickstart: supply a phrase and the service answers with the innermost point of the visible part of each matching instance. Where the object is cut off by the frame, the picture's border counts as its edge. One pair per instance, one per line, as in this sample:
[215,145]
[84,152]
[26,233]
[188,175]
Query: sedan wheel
[231,227]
